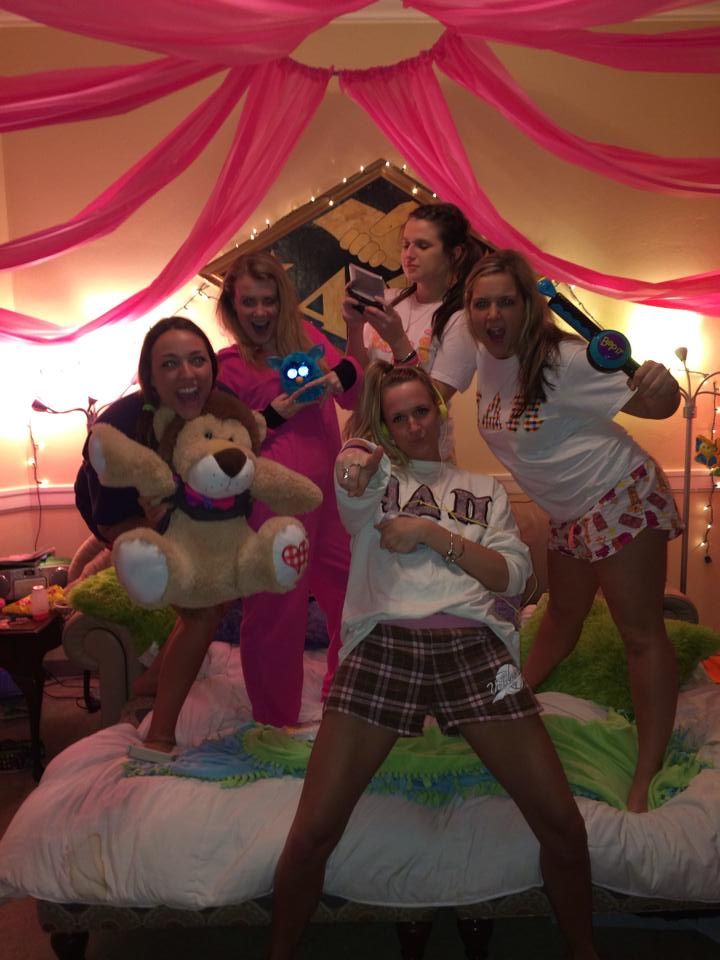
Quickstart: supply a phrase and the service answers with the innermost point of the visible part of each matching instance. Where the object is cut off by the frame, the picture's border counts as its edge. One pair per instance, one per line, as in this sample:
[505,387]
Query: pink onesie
[272,633]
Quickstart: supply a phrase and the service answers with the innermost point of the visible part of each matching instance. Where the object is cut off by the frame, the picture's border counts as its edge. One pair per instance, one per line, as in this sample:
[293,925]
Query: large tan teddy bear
[208,470]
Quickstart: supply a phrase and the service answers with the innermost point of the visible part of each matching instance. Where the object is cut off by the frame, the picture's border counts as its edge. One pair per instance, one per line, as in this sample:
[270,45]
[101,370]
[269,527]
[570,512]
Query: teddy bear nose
[231,461]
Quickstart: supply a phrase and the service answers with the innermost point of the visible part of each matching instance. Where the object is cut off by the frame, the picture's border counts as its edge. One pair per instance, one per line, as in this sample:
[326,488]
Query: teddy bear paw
[142,569]
[291,552]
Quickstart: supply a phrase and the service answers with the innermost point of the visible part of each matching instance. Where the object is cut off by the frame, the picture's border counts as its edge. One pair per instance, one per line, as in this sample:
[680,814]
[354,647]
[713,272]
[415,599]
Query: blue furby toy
[608,350]
[299,368]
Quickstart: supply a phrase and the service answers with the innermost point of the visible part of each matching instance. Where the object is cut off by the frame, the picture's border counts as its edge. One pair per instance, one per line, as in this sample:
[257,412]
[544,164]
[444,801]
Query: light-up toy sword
[607,350]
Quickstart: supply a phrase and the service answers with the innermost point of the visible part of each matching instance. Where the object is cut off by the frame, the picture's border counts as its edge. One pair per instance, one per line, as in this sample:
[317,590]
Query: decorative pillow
[101,595]
[597,668]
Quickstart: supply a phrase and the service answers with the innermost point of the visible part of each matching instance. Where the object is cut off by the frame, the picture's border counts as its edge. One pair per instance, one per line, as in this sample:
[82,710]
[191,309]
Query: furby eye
[304,370]
[292,373]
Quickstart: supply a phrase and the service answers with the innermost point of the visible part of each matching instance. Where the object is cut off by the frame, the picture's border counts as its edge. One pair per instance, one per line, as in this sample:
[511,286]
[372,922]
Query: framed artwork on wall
[357,221]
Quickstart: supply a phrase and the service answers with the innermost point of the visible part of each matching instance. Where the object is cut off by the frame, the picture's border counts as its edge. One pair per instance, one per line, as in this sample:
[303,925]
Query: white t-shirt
[451,361]
[386,586]
[566,452]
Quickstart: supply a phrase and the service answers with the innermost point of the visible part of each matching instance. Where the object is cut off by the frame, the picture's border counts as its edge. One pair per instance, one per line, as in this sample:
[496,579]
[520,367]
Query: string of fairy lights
[329,200]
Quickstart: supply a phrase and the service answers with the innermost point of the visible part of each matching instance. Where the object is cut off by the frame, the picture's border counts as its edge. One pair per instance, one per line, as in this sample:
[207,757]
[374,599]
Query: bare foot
[153,751]
[162,746]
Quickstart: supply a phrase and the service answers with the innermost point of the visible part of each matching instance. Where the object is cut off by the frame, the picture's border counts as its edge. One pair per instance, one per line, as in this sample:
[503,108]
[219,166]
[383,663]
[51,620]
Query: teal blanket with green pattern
[598,757]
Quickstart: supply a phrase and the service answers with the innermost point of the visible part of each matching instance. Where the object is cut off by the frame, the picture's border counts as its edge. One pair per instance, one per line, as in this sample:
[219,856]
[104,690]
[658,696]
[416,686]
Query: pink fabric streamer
[683,51]
[281,100]
[491,15]
[406,103]
[205,36]
[154,171]
[60,96]
[472,64]
[225,32]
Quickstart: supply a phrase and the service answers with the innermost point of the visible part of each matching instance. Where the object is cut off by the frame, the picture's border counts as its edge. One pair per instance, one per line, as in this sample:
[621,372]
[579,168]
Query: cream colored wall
[61,529]
[52,172]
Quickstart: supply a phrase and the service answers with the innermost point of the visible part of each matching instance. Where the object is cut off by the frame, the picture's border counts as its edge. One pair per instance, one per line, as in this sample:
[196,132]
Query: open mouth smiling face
[257,306]
[497,313]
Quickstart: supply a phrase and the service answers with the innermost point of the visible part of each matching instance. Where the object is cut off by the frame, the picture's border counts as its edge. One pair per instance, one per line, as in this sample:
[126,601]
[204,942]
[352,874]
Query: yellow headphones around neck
[441,405]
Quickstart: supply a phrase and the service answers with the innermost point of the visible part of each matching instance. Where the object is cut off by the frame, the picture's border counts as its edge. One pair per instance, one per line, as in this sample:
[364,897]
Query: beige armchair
[106,649]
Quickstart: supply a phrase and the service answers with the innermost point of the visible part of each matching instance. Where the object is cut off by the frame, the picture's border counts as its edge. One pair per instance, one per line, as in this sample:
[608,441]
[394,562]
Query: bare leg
[571,589]
[633,582]
[184,651]
[345,755]
[520,754]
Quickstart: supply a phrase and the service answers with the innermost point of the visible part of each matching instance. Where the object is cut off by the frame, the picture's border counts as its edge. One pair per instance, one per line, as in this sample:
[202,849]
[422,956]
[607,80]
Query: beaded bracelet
[452,556]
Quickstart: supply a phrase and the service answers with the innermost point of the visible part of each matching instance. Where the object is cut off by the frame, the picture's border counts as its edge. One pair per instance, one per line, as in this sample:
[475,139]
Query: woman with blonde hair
[547,415]
[259,308]
[433,547]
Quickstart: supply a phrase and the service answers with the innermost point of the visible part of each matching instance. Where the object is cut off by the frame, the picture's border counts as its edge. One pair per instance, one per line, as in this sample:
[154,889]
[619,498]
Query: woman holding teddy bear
[177,369]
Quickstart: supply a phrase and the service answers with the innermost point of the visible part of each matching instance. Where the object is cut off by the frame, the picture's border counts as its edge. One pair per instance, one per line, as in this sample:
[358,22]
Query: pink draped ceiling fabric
[249,41]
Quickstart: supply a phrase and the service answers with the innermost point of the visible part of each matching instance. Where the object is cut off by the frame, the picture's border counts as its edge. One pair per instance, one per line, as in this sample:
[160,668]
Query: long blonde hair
[367,419]
[290,335]
[538,349]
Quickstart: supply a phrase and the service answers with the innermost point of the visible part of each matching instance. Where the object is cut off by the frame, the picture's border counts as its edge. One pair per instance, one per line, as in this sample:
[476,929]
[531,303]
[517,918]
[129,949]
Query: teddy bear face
[214,456]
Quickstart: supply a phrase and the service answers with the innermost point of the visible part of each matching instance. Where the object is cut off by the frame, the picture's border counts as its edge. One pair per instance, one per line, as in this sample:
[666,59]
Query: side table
[23,644]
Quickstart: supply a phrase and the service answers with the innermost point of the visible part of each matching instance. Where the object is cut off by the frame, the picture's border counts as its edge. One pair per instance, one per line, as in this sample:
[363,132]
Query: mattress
[90,834]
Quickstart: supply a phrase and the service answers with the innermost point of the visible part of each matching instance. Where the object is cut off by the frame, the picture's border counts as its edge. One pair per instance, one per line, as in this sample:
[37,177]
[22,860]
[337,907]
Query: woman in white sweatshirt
[434,549]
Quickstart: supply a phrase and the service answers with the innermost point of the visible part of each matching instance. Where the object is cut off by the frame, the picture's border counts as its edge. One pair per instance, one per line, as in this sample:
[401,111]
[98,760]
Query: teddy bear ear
[161,420]
[261,426]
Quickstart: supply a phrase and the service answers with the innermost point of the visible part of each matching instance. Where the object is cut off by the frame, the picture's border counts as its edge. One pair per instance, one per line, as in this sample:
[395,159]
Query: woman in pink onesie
[259,308]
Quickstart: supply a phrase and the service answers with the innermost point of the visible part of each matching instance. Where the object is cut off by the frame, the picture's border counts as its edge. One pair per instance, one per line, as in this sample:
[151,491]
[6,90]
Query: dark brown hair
[144,428]
[453,230]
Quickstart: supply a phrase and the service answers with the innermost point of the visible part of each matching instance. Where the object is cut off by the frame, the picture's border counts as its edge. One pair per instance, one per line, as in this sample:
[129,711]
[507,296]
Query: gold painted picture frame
[359,220]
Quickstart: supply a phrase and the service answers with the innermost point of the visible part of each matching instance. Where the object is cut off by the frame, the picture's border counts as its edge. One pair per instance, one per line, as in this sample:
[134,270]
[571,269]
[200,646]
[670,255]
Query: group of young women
[408,551]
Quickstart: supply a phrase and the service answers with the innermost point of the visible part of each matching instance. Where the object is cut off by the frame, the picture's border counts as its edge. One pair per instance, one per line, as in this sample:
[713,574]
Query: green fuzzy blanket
[102,596]
[597,668]
[598,758]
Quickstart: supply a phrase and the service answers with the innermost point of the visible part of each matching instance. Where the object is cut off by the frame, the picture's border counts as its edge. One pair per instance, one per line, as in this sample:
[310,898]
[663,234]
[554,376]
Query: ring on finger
[346,472]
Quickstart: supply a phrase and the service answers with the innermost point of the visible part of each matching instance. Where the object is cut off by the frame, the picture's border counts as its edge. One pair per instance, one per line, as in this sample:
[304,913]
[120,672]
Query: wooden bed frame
[70,925]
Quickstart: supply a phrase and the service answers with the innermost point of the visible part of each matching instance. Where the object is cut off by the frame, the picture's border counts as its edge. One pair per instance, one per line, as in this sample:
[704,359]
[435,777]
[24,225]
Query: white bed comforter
[88,834]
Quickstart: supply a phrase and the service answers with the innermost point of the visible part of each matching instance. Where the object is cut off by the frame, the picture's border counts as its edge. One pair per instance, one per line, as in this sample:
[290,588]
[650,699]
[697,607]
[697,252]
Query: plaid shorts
[642,500]
[396,676]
